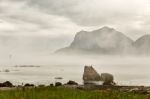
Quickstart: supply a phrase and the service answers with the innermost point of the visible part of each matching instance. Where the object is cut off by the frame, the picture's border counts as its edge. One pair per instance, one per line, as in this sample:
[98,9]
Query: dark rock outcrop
[90,76]
[6,84]
[29,85]
[70,82]
[58,84]
[51,85]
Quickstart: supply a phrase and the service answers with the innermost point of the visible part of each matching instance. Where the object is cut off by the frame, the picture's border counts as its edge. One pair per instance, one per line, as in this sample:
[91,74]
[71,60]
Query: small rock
[51,85]
[7,70]
[58,78]
[70,82]
[58,84]
[29,85]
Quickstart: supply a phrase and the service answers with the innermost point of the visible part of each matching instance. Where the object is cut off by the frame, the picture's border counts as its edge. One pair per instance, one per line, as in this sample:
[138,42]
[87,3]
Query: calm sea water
[126,70]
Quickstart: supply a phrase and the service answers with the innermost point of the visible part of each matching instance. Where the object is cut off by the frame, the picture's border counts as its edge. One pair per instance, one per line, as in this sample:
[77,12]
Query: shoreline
[73,85]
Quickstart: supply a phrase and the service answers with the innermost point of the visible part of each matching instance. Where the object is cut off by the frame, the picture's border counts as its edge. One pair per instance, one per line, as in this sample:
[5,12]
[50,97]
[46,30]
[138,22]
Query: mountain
[102,41]
[142,45]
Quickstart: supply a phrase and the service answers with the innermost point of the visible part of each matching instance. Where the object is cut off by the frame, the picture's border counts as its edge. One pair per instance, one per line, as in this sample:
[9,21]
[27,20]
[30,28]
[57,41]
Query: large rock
[90,75]
[107,78]
[6,84]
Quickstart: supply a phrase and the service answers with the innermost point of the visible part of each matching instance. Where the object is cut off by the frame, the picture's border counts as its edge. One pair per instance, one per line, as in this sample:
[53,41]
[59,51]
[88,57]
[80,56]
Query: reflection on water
[44,69]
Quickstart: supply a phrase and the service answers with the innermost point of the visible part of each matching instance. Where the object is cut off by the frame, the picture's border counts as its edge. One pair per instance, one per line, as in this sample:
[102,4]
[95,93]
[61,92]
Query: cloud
[25,27]
[20,18]
[61,19]
[95,12]
[124,15]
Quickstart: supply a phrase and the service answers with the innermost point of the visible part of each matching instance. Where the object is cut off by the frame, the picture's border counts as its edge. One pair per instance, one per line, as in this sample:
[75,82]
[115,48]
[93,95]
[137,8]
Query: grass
[67,93]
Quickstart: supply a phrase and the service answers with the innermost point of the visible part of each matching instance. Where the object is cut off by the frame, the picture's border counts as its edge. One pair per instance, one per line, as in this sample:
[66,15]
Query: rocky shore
[72,84]
[90,79]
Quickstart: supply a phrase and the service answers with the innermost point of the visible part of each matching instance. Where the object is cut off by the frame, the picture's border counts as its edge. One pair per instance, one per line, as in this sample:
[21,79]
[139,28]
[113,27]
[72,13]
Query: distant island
[107,41]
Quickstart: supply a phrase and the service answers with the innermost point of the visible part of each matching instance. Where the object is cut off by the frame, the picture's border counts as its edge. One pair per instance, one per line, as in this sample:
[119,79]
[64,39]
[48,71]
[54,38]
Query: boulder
[6,84]
[70,82]
[58,84]
[51,85]
[107,78]
[29,85]
[90,74]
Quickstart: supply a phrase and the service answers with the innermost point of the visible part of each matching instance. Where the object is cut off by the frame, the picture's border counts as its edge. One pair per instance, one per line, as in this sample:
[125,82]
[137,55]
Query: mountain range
[106,40]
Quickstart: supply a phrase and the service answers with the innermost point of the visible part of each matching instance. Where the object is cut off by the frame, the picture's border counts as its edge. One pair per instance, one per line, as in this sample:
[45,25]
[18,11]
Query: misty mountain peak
[142,45]
[143,40]
[103,40]
[82,31]
[147,36]
[106,28]
[107,40]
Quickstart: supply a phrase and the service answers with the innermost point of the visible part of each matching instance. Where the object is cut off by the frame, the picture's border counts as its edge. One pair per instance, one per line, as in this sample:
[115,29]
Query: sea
[46,69]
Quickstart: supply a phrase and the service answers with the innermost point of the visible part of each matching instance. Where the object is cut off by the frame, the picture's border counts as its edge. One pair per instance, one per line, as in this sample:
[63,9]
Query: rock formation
[90,75]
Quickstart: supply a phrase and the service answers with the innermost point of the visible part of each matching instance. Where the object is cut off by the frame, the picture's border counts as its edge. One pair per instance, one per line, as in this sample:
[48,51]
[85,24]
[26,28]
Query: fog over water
[31,59]
[126,70]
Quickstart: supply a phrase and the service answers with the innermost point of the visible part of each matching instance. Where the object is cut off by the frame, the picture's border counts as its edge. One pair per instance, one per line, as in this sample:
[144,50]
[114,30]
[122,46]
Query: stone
[58,78]
[7,70]
[58,84]
[70,82]
[51,85]
[29,85]
[107,78]
[90,75]
[6,84]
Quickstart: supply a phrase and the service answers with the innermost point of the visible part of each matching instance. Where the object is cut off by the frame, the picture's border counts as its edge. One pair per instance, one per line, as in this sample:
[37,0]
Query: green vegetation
[67,93]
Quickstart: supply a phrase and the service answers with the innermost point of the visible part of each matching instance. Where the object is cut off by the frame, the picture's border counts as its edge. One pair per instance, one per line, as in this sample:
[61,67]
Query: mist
[40,40]
[33,59]
[127,70]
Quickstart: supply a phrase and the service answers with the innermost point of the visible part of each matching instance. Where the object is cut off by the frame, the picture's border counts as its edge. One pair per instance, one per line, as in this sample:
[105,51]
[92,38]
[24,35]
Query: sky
[59,20]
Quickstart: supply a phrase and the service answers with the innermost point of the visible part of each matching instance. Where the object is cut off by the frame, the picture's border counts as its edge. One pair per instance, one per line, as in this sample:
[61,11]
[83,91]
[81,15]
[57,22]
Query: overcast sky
[63,18]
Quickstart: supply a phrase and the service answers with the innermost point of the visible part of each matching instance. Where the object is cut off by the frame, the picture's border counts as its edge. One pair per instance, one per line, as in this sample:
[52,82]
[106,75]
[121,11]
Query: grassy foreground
[67,93]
